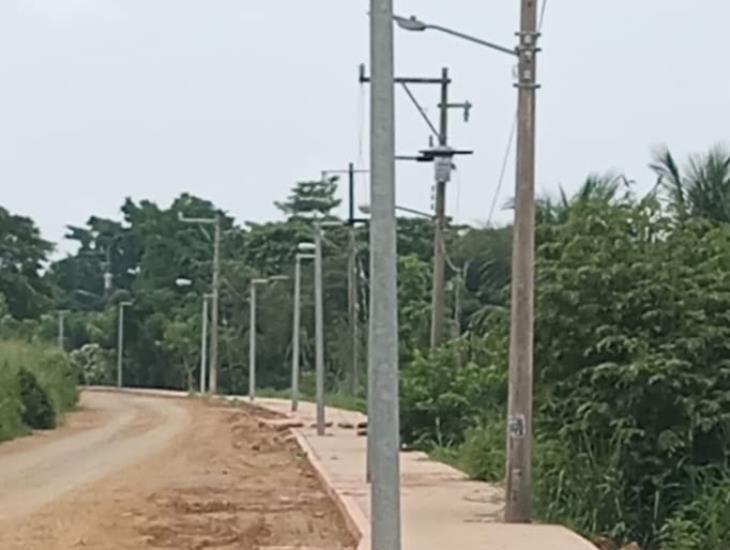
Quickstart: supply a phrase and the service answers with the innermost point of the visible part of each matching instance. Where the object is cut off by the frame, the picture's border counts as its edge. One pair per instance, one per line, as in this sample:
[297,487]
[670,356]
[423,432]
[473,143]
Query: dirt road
[131,472]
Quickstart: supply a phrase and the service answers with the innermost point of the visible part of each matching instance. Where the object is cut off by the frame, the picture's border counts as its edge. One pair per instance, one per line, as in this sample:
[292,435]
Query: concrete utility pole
[519,444]
[297,326]
[204,343]
[519,431]
[438,293]
[215,293]
[442,158]
[383,421]
[120,342]
[352,284]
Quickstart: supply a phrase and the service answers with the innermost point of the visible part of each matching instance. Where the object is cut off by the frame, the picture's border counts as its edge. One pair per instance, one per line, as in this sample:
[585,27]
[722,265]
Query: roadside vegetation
[37,386]
[632,361]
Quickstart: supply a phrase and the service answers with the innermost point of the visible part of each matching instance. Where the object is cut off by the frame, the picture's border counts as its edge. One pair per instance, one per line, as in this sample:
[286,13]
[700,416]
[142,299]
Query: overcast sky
[235,100]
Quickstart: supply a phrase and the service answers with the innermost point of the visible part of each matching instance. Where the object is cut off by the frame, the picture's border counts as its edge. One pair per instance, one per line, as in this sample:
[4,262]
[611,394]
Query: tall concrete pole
[215,308]
[383,423]
[519,431]
[319,329]
[438,293]
[252,345]
[204,344]
[61,330]
[120,342]
[352,310]
[295,334]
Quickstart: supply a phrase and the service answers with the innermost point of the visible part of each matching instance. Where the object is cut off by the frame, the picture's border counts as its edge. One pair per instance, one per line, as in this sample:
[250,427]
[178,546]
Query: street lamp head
[306,247]
[183,282]
[365,209]
[411,23]
[275,278]
[259,281]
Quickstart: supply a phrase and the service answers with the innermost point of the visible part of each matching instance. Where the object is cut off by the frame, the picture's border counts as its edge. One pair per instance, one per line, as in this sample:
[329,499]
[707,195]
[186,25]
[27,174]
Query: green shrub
[483,453]
[11,421]
[37,411]
[37,385]
[444,393]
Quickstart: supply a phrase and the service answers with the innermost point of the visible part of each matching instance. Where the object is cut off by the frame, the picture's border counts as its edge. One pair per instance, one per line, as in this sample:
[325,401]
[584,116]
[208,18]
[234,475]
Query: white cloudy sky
[236,100]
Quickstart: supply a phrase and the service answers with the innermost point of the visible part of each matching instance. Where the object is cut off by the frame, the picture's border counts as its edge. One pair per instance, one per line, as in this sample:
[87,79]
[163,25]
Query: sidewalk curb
[357,523]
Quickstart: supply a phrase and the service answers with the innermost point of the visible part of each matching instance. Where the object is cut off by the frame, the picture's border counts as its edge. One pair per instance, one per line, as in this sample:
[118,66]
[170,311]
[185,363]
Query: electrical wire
[503,171]
[542,14]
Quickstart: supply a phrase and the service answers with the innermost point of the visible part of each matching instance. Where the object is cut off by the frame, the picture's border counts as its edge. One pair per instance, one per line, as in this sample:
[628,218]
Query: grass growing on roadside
[336,400]
[37,385]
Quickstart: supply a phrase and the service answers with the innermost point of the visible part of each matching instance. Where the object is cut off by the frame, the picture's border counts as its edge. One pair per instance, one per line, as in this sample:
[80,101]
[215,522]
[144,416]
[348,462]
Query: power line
[503,171]
[542,14]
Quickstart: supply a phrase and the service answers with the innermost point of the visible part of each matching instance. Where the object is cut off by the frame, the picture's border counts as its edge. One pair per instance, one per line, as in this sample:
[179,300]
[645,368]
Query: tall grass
[53,373]
[337,400]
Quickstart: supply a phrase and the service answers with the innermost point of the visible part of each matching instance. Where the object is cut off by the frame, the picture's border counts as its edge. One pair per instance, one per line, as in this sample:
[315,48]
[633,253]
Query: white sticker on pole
[517,426]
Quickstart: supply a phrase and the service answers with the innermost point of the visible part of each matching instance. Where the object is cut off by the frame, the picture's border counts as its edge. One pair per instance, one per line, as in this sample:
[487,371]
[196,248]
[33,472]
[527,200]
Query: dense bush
[632,362]
[632,380]
[37,385]
[445,392]
[36,409]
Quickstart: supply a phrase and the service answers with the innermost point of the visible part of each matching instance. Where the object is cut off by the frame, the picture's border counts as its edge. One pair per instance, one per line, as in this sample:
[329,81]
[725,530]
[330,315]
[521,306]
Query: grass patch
[335,400]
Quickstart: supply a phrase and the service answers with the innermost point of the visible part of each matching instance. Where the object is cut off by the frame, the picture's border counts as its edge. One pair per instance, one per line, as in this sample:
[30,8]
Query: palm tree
[702,189]
[602,188]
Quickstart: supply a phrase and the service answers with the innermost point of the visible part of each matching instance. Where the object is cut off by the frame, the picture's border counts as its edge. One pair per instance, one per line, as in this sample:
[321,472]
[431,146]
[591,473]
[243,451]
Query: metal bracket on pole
[467,106]
[363,78]
[527,52]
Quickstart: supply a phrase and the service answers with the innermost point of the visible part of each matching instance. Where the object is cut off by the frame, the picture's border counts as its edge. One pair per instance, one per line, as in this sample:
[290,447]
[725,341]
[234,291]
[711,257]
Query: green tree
[311,200]
[22,255]
[701,189]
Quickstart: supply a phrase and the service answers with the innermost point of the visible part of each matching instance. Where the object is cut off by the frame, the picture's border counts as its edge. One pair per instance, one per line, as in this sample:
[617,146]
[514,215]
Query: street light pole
[383,421]
[295,334]
[213,383]
[252,340]
[215,294]
[296,329]
[204,343]
[61,329]
[120,342]
[519,407]
[353,376]
[252,333]
[319,328]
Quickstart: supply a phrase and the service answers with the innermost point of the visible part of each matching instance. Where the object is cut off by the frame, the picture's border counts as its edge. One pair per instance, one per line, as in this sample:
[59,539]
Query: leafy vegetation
[632,365]
[37,385]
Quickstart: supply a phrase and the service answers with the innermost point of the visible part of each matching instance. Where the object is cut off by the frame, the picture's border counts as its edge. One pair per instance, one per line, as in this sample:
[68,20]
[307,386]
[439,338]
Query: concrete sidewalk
[441,509]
